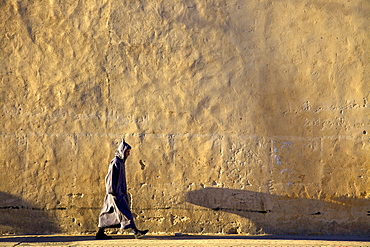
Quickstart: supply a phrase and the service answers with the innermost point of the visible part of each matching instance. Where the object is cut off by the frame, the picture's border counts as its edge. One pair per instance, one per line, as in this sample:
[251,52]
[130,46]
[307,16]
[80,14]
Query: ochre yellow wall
[244,116]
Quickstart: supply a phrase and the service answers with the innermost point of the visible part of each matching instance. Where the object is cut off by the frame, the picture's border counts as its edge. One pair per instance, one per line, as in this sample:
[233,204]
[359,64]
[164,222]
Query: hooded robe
[116,211]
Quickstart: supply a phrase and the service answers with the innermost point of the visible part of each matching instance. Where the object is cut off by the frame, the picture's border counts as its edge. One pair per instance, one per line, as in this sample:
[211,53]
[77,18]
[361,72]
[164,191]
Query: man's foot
[101,236]
[140,234]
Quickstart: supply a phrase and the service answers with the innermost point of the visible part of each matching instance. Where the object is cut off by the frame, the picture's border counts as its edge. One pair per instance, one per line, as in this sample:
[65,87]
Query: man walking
[116,211]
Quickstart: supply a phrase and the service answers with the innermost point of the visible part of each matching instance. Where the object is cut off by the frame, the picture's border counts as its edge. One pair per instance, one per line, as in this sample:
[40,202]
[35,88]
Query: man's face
[127,153]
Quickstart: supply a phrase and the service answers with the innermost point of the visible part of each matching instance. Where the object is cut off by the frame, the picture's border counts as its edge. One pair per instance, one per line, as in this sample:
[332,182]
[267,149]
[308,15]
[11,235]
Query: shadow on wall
[283,215]
[21,217]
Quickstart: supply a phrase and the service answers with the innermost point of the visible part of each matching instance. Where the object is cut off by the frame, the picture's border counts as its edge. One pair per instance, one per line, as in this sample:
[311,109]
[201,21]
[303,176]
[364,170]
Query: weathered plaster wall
[244,116]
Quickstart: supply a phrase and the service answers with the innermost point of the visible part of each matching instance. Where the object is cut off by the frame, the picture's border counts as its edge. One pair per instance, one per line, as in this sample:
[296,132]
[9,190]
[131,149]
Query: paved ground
[183,240]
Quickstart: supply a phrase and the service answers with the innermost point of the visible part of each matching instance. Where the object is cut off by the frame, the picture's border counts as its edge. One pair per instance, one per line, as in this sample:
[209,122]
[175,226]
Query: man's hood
[122,148]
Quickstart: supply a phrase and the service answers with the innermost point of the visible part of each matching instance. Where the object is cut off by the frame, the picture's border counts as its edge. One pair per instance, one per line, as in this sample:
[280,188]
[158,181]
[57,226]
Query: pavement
[183,240]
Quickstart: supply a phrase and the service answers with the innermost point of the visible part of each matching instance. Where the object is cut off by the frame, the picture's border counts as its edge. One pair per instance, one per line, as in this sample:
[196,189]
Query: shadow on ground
[284,215]
[69,239]
[21,217]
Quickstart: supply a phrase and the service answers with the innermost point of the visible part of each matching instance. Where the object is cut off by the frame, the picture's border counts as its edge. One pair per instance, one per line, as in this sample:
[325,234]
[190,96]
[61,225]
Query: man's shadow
[284,215]
[18,216]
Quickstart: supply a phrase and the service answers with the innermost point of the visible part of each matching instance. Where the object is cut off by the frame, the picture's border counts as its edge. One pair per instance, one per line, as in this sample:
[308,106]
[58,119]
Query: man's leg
[101,235]
[137,233]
